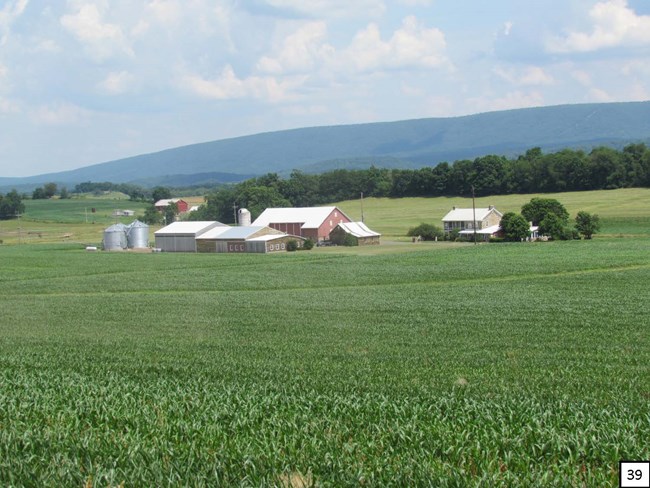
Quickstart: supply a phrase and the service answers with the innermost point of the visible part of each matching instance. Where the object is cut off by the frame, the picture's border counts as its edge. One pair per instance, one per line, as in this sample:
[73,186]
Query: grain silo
[137,235]
[115,237]
[244,217]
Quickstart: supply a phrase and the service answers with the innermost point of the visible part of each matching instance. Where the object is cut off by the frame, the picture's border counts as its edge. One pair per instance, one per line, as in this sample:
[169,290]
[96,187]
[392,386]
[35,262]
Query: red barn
[181,204]
[313,223]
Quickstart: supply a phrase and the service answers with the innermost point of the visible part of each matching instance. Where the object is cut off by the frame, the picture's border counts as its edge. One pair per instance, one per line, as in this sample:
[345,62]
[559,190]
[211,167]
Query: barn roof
[358,229]
[241,232]
[167,201]
[214,232]
[188,228]
[272,237]
[309,217]
[467,214]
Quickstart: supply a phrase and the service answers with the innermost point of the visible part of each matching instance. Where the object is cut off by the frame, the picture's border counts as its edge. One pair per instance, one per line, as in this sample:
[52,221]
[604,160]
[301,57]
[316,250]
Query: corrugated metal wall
[176,243]
[256,246]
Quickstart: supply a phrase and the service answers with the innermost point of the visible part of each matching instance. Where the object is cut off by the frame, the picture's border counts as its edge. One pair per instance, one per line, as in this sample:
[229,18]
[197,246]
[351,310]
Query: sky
[88,81]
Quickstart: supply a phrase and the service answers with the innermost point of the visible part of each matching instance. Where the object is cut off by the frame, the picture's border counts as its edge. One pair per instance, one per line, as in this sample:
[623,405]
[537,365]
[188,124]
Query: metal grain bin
[115,237]
[137,235]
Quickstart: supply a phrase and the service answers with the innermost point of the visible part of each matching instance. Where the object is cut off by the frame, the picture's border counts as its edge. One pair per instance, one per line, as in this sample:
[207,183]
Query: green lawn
[625,211]
[456,365]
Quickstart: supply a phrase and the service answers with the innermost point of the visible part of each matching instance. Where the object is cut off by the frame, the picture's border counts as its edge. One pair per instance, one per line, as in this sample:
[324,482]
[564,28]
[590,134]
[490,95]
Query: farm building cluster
[484,222]
[271,232]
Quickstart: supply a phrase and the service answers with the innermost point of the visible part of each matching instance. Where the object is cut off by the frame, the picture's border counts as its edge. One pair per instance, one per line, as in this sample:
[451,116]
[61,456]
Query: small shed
[358,231]
[182,236]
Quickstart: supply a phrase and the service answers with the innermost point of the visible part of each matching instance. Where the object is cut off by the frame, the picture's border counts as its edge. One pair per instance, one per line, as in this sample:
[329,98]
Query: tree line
[532,172]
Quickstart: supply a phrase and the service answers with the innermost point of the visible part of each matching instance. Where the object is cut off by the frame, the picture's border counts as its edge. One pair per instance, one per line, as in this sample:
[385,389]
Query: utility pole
[474,213]
[20,230]
[361,206]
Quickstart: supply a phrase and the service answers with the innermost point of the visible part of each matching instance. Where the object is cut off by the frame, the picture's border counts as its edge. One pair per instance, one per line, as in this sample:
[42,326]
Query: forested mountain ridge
[402,144]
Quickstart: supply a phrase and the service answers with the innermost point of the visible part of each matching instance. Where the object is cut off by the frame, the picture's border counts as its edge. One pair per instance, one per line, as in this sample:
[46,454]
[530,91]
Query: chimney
[491,207]
[454,207]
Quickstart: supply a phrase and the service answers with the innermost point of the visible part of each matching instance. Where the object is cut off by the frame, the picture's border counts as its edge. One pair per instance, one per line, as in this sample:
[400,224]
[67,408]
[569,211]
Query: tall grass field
[458,365]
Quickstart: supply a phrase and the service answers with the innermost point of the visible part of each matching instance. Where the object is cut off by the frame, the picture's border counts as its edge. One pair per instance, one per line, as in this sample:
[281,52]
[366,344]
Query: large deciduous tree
[11,205]
[515,227]
[587,224]
[538,209]
[160,193]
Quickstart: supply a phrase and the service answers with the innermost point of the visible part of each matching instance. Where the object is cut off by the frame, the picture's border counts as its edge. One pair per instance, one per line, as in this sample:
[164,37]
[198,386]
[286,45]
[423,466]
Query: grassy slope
[50,221]
[518,365]
[622,211]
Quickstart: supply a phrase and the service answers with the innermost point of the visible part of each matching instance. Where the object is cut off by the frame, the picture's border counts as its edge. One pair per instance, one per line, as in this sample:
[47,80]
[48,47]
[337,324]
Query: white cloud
[60,113]
[529,76]
[511,100]
[599,95]
[416,3]
[117,82]
[166,11]
[8,106]
[332,8]
[411,46]
[615,24]
[102,40]
[48,46]
[581,77]
[300,51]
[228,86]
[8,15]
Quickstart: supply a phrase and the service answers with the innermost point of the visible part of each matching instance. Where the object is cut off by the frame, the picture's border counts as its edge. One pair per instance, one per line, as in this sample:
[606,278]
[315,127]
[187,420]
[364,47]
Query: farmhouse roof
[188,228]
[358,229]
[467,214]
[493,229]
[309,217]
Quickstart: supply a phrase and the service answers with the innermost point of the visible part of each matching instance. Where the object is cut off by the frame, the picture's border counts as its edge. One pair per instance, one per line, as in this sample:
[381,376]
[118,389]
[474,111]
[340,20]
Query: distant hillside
[408,144]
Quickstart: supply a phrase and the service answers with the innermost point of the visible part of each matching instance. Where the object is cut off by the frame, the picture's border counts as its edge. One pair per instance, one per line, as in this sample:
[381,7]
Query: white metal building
[181,236]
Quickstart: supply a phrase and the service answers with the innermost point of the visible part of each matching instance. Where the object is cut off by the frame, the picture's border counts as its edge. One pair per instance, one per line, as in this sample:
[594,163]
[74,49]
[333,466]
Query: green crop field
[451,365]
